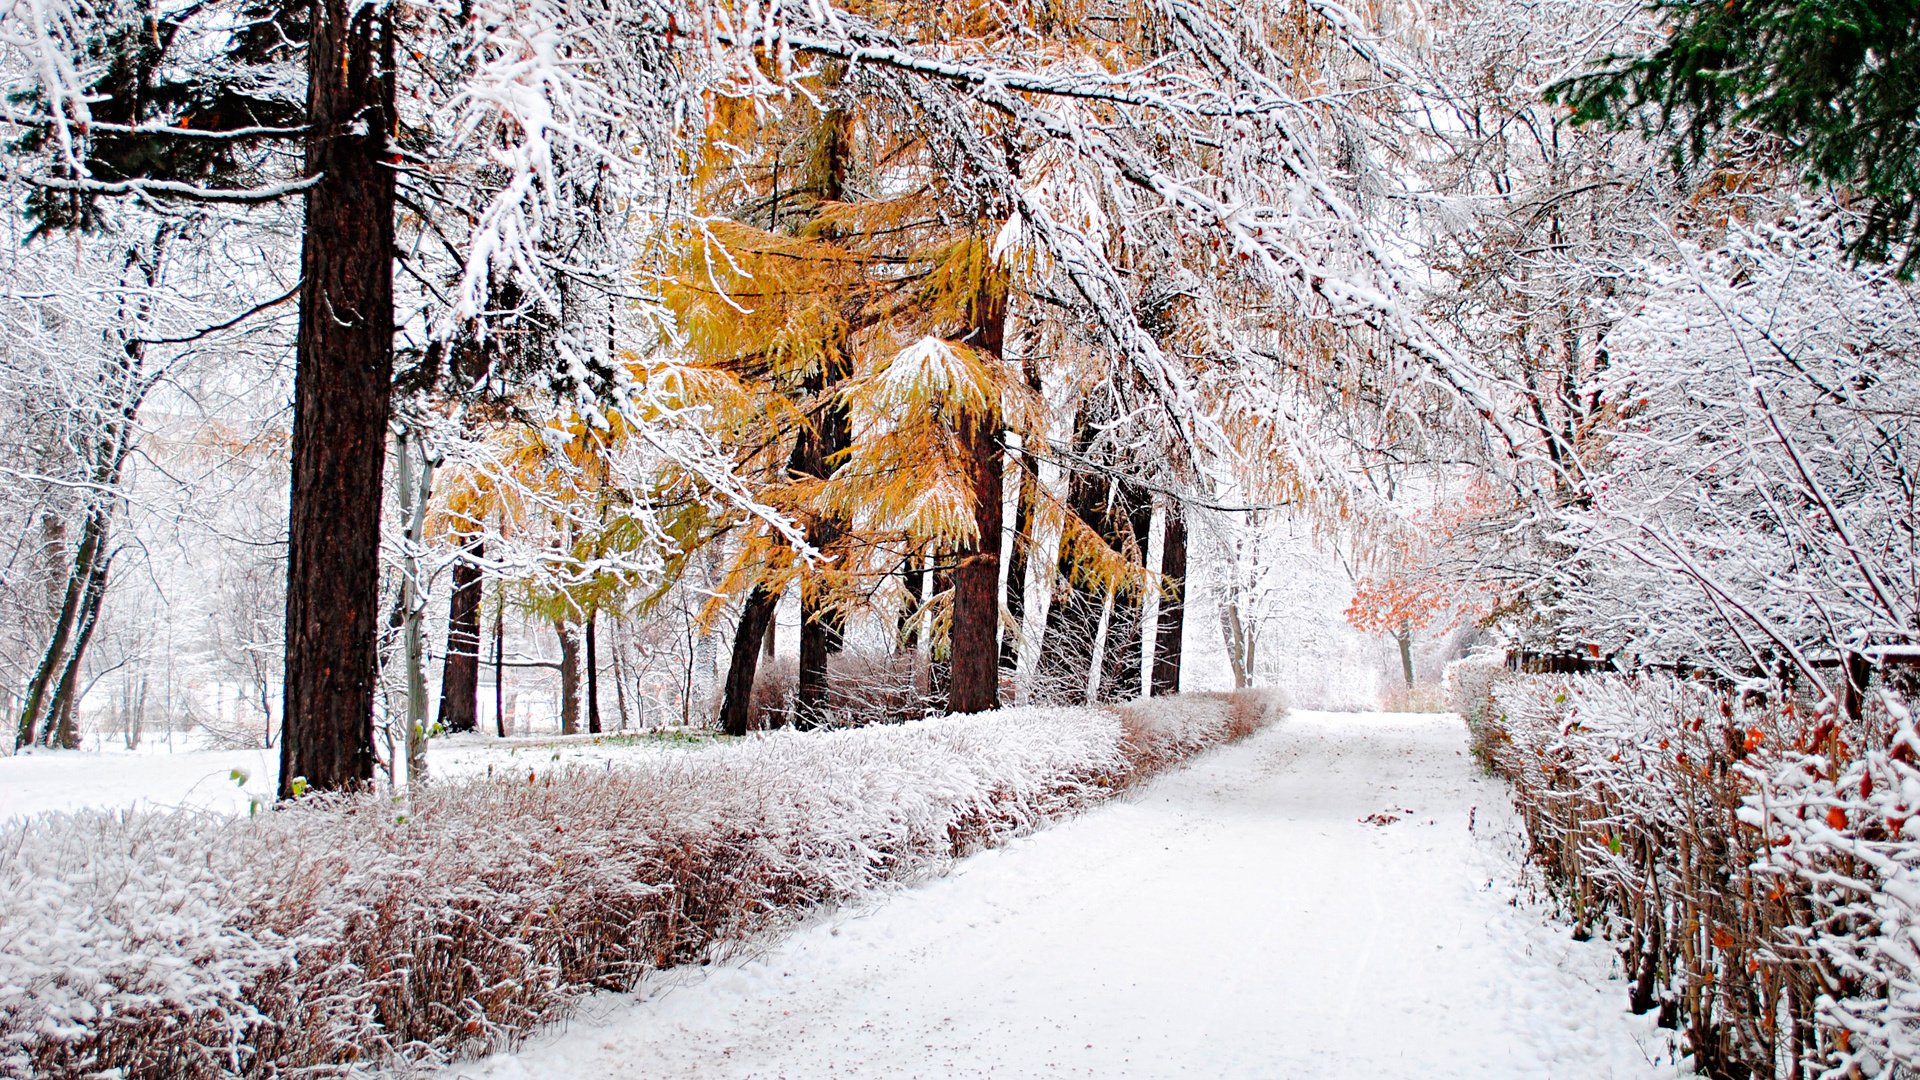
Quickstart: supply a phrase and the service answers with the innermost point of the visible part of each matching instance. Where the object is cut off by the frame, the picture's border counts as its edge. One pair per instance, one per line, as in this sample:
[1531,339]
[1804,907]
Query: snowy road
[1236,919]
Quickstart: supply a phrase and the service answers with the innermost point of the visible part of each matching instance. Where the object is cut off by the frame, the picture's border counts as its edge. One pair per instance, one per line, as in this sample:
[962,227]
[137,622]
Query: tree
[342,396]
[1835,84]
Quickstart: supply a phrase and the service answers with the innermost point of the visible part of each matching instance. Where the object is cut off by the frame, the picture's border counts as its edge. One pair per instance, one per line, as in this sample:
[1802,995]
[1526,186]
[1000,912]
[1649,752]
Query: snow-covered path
[1236,919]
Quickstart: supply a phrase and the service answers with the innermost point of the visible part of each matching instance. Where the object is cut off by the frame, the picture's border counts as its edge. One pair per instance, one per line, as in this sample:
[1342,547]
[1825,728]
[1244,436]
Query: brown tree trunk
[569,676]
[736,704]
[1130,533]
[39,697]
[975,679]
[460,675]
[810,693]
[593,671]
[1403,637]
[1168,633]
[63,731]
[342,390]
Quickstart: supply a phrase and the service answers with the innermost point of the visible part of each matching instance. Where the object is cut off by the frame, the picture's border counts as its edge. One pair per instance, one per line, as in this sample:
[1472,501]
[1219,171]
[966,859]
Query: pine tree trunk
[460,673]
[736,706]
[593,671]
[975,682]
[975,679]
[342,391]
[569,675]
[1168,634]
[810,695]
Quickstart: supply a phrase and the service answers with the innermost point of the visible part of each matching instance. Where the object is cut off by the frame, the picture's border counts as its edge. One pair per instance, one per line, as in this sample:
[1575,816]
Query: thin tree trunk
[619,679]
[342,392]
[593,670]
[736,705]
[1403,637]
[1016,595]
[1168,634]
[1236,642]
[460,673]
[500,667]
[1098,664]
[914,577]
[413,604]
[569,675]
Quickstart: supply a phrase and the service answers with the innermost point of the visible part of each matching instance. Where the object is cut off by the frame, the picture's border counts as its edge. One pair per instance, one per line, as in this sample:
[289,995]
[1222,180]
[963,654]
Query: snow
[1237,918]
[156,776]
[43,780]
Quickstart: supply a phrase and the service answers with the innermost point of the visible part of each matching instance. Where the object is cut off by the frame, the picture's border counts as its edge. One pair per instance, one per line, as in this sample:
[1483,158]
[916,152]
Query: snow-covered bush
[183,944]
[1469,683]
[1754,858]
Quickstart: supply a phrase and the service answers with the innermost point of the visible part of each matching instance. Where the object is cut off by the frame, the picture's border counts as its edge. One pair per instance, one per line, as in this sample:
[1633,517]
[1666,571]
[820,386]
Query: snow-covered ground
[234,781]
[1332,898]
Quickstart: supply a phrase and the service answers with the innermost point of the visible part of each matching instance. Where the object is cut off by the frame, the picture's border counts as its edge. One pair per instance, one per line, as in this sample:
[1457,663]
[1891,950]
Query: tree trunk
[63,731]
[593,671]
[770,647]
[460,674]
[342,391]
[736,706]
[413,602]
[1130,532]
[569,675]
[40,688]
[1173,606]
[975,680]
[1234,637]
[1403,637]
[619,679]
[500,668]
[1016,601]
[810,695]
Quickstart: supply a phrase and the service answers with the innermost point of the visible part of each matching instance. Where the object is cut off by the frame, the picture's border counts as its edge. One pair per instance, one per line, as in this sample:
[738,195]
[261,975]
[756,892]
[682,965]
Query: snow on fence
[1758,862]
[367,930]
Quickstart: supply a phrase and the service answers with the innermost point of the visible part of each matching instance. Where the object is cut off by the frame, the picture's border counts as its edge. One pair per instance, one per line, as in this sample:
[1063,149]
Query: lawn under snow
[159,774]
[1331,898]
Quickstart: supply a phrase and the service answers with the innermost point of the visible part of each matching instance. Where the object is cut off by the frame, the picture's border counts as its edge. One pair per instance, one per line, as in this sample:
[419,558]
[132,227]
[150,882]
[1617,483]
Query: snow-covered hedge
[1759,862]
[184,944]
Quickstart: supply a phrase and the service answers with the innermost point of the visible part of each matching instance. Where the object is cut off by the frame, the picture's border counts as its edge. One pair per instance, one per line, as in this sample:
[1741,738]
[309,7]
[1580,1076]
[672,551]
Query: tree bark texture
[1169,630]
[569,675]
[736,704]
[975,680]
[460,673]
[342,394]
[1129,531]
[593,671]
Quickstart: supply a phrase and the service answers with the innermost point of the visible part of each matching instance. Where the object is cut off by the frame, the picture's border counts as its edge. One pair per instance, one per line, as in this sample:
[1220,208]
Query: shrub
[1757,861]
[363,930]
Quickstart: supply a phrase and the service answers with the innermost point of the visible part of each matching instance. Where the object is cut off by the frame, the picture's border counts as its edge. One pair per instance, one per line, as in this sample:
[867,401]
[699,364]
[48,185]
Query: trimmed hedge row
[367,930]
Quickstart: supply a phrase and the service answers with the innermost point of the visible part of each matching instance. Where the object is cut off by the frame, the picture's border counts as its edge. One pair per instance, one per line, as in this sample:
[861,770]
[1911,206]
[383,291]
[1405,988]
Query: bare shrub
[1756,858]
[862,688]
